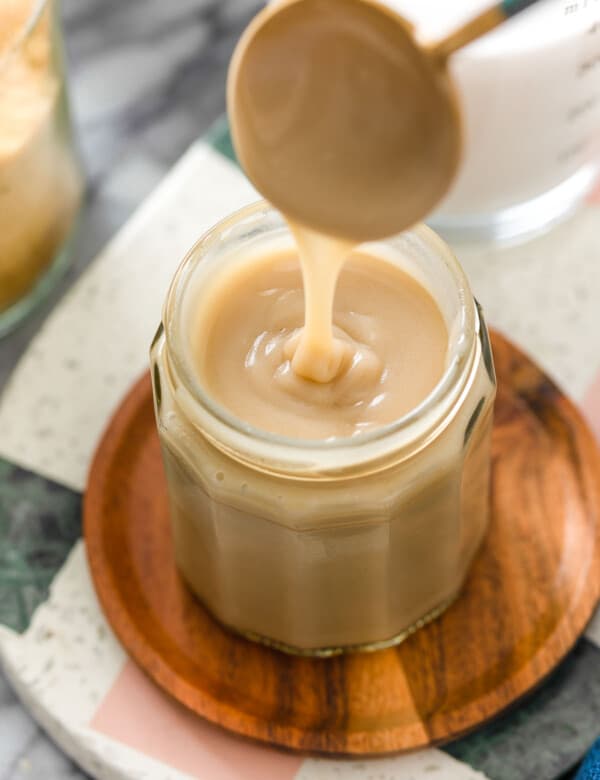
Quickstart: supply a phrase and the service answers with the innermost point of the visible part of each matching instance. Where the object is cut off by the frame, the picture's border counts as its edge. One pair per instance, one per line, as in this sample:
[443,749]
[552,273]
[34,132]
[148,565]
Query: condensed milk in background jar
[347,542]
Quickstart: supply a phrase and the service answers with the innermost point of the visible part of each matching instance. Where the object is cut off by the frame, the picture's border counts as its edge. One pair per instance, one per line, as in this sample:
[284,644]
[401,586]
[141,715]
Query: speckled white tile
[545,295]
[68,657]
[96,343]
[64,665]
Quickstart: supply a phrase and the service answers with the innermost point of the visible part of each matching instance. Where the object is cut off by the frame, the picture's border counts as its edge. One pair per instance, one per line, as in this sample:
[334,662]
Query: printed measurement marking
[580,5]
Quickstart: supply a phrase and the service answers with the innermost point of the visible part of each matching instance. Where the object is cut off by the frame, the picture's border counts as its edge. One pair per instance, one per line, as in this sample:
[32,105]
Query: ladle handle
[479,26]
[513,7]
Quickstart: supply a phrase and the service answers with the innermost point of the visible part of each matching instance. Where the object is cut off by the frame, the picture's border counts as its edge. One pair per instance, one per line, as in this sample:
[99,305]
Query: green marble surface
[39,523]
[219,138]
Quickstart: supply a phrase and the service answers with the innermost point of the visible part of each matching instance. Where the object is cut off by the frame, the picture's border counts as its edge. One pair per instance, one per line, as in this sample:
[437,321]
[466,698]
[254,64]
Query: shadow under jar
[317,547]
[41,182]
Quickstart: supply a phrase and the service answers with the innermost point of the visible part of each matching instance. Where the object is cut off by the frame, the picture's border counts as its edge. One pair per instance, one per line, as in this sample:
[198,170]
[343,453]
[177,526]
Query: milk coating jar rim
[253,445]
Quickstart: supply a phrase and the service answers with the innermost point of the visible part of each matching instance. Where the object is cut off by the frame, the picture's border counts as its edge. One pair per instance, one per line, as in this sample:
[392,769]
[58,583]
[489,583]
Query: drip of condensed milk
[316,353]
[351,129]
[390,346]
[321,98]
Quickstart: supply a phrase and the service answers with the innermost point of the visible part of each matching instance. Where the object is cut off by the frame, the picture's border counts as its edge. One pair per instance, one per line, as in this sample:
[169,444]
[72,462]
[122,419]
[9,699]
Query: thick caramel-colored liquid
[385,332]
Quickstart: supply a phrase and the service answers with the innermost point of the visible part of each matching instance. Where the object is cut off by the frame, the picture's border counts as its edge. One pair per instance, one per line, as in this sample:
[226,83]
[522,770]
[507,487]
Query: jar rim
[458,365]
[24,32]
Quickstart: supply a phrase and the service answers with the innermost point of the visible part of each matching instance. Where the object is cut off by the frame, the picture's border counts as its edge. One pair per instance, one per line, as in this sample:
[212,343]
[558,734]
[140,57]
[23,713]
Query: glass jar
[530,96]
[40,178]
[321,546]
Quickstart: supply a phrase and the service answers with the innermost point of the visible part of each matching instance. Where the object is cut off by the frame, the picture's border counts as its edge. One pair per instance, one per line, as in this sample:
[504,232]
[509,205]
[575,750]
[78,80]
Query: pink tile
[138,714]
[595,196]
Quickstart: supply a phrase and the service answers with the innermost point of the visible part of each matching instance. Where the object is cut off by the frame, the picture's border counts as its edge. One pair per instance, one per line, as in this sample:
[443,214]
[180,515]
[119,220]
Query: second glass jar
[41,181]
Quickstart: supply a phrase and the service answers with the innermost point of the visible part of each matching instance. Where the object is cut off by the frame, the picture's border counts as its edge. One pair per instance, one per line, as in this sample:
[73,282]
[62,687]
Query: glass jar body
[326,551]
[532,130]
[41,182]
[530,100]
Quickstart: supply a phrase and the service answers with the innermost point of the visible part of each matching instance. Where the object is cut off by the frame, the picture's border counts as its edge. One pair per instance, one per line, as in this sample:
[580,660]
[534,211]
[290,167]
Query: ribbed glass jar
[322,546]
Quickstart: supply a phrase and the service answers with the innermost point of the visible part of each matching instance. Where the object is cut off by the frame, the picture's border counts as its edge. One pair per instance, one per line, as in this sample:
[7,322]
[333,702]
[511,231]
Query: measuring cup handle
[477,27]
[512,7]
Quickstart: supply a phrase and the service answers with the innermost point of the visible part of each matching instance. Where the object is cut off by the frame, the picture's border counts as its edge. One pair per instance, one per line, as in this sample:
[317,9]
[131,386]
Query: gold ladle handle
[477,27]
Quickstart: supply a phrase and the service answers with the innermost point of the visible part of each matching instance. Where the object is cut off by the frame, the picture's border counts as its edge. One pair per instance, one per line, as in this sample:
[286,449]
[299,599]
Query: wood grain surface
[530,593]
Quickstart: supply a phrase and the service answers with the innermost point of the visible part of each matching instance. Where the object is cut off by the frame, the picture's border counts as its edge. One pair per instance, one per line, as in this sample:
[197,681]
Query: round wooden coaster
[530,593]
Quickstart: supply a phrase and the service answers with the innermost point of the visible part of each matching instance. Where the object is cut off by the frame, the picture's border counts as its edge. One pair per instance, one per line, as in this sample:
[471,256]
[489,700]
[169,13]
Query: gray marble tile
[25,752]
[43,760]
[18,731]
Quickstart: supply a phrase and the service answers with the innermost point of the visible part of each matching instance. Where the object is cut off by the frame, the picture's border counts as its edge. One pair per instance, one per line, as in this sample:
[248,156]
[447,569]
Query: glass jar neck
[257,228]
